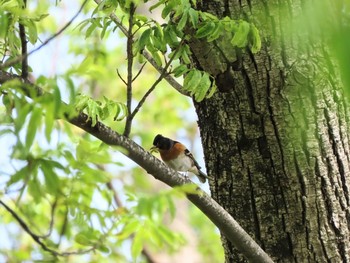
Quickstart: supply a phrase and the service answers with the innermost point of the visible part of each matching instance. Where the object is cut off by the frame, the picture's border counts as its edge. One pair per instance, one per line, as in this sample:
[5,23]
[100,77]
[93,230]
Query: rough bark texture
[276,136]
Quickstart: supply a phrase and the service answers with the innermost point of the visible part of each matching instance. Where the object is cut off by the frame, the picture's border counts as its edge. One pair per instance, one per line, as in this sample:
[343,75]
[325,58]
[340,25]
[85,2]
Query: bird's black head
[162,143]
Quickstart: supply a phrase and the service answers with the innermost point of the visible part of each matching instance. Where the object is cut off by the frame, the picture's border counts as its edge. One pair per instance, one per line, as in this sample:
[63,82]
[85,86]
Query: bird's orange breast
[172,153]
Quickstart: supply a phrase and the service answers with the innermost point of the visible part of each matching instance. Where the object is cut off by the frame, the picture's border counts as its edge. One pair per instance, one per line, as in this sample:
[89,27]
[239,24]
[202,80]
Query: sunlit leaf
[33,125]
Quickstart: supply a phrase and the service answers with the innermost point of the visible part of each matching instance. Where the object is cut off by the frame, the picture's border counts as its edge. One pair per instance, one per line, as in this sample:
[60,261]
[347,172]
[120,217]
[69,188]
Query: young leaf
[193,14]
[240,38]
[144,38]
[180,70]
[205,29]
[217,32]
[183,21]
[168,8]
[254,32]
[137,244]
[33,126]
[51,179]
[192,80]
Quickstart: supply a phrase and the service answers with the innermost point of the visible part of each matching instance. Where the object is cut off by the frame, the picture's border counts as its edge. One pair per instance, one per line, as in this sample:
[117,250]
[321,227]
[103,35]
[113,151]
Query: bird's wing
[189,154]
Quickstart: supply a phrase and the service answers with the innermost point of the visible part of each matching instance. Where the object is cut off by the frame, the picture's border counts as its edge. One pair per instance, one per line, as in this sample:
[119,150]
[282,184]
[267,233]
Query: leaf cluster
[12,13]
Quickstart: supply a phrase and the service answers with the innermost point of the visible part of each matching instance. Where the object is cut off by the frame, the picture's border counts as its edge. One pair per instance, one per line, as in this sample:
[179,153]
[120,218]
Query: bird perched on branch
[177,156]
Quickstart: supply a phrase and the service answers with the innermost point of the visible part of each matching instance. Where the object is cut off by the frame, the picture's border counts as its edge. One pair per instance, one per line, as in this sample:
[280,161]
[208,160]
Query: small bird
[177,156]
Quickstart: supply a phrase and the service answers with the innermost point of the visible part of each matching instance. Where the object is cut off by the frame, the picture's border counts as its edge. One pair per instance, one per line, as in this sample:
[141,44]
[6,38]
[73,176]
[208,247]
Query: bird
[177,156]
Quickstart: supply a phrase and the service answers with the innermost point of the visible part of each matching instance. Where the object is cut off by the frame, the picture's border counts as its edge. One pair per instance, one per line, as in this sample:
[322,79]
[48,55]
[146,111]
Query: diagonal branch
[216,213]
[25,55]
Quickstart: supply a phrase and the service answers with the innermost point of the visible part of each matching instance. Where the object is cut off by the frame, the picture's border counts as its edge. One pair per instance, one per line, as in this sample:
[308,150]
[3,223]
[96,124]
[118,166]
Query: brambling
[177,156]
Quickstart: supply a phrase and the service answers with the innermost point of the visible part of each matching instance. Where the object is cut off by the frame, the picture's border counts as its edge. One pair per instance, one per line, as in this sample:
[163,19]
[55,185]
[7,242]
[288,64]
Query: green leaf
[137,244]
[34,189]
[49,120]
[170,36]
[157,58]
[156,5]
[32,32]
[217,32]
[19,175]
[81,102]
[183,21]
[33,126]
[180,70]
[90,29]
[255,39]
[131,227]
[203,87]
[103,248]
[193,14]
[158,38]
[168,8]
[192,80]
[240,38]
[23,113]
[172,207]
[205,29]
[144,38]
[51,178]
[82,239]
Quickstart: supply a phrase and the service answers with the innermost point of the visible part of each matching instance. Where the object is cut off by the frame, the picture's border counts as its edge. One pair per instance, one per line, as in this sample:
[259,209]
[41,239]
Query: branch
[37,238]
[161,76]
[227,225]
[25,55]
[130,58]
[148,56]
[22,36]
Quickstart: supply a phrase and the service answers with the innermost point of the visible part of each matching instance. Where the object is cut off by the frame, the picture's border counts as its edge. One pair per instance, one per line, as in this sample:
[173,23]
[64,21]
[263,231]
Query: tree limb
[216,213]
[130,59]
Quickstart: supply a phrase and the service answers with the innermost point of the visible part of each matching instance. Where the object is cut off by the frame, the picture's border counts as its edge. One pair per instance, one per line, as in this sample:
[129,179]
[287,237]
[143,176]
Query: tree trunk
[275,136]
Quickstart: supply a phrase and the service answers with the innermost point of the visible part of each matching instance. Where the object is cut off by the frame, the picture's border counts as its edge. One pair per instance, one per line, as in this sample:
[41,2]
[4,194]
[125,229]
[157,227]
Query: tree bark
[275,135]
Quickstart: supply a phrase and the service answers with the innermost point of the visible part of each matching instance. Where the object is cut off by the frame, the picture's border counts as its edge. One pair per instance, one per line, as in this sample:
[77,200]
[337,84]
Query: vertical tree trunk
[275,136]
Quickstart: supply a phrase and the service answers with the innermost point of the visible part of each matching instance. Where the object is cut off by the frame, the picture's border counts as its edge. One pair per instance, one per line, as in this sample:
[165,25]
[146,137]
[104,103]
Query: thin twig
[26,55]
[121,78]
[130,58]
[37,238]
[64,227]
[52,220]
[115,194]
[139,72]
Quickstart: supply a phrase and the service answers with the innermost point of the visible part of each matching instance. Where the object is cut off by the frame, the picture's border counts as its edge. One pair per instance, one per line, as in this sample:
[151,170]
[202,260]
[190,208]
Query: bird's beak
[154,149]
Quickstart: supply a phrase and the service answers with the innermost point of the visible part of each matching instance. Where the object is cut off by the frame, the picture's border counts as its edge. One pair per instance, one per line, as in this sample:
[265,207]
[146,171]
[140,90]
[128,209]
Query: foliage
[60,182]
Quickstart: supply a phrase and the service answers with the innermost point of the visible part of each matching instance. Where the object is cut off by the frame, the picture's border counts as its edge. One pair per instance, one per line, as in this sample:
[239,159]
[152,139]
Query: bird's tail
[202,176]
